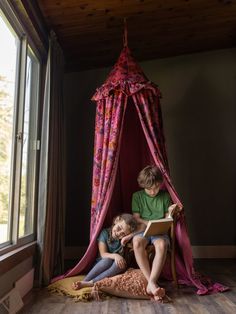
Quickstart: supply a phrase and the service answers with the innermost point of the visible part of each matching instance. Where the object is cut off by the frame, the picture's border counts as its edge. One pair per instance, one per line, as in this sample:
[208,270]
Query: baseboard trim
[214,251]
[202,251]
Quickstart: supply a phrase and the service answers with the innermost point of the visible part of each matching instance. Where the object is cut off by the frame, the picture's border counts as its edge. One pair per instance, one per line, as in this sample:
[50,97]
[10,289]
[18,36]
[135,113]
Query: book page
[157,227]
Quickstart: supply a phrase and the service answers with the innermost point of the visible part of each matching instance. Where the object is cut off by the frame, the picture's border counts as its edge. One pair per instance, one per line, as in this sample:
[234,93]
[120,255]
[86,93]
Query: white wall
[8,279]
[199,113]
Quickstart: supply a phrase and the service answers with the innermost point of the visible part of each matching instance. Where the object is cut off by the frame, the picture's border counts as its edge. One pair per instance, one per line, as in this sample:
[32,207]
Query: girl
[111,261]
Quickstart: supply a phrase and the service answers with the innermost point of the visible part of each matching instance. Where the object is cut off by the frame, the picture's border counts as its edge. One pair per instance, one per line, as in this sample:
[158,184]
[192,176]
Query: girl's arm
[119,260]
[140,227]
[126,238]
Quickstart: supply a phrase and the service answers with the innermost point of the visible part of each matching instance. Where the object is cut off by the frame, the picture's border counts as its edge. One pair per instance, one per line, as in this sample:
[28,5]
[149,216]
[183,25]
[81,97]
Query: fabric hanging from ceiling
[128,136]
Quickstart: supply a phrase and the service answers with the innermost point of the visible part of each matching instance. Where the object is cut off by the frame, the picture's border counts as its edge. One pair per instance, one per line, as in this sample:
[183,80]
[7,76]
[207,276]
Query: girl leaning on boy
[111,261]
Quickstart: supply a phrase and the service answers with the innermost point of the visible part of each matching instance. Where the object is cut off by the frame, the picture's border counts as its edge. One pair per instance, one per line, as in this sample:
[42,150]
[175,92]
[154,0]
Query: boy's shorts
[152,239]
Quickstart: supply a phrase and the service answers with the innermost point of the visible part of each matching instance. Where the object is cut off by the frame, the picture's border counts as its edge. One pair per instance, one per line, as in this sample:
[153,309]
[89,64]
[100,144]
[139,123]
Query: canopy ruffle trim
[126,77]
[129,88]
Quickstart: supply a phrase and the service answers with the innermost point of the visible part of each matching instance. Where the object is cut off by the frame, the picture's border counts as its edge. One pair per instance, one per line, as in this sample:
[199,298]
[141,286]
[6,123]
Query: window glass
[9,44]
[29,149]
[19,93]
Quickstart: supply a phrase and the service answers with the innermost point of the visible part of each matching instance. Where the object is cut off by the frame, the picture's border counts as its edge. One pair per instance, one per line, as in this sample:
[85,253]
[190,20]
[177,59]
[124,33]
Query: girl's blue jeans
[105,267]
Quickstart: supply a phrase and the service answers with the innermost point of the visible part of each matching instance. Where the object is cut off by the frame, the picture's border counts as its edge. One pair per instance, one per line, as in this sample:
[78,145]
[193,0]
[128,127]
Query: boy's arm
[136,209]
[142,224]
[139,219]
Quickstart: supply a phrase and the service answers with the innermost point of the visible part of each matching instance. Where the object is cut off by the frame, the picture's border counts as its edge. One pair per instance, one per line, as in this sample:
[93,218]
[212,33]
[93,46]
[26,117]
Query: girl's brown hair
[128,219]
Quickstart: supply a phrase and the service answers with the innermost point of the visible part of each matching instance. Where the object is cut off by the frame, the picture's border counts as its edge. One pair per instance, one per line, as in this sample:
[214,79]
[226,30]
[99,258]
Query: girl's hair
[128,219]
[149,176]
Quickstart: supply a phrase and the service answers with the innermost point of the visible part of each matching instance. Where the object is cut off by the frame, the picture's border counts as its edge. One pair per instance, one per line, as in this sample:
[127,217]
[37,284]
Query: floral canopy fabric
[128,136]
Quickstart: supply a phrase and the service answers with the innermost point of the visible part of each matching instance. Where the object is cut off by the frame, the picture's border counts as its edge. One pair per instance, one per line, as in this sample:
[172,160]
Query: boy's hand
[174,209]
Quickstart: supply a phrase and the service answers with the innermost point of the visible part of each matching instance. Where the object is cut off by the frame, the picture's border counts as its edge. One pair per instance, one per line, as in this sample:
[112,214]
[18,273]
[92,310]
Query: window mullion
[19,139]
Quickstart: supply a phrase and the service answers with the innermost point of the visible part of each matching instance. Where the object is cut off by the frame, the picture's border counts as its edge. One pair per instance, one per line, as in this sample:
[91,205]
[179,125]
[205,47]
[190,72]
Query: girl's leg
[106,267]
[98,268]
[113,270]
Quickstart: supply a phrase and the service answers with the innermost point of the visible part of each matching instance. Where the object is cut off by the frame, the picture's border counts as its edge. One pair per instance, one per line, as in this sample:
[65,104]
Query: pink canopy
[128,136]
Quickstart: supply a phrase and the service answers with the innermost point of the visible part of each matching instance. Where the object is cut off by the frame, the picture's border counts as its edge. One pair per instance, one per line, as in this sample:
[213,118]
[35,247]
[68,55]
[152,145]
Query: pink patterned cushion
[131,284]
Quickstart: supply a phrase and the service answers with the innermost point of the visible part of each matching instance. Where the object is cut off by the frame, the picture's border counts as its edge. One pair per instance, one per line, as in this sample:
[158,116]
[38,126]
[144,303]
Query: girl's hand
[120,261]
[126,239]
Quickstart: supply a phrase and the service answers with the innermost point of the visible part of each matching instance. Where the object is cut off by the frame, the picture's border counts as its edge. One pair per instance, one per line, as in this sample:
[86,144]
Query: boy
[149,204]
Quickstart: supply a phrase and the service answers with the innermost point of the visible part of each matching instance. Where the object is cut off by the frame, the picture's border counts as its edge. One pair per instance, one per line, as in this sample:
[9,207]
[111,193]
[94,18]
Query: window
[9,53]
[19,95]
[29,147]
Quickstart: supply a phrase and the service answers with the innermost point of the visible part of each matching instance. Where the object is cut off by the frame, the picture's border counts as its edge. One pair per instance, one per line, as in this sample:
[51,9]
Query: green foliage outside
[6,124]
[6,116]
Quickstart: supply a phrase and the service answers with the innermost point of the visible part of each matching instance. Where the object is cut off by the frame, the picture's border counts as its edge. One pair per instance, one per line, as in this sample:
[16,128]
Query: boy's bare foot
[157,292]
[81,284]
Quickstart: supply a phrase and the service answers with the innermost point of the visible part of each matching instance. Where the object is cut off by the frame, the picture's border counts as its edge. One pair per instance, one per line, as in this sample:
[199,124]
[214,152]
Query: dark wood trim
[37,19]
[15,257]
[33,23]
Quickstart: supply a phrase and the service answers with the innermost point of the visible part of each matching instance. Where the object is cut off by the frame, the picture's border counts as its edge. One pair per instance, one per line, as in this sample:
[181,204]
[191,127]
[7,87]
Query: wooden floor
[185,300]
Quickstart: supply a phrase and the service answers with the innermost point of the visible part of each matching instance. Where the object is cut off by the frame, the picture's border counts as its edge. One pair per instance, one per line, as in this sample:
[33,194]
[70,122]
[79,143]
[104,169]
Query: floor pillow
[131,284]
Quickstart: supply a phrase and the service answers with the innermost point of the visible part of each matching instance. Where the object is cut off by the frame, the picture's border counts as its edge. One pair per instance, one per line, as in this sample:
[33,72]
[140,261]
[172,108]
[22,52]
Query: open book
[156,227]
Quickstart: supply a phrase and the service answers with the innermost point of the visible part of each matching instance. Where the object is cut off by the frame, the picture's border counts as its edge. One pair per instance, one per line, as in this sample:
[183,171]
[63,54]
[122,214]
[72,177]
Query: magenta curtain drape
[148,108]
[115,164]
[108,129]
[147,104]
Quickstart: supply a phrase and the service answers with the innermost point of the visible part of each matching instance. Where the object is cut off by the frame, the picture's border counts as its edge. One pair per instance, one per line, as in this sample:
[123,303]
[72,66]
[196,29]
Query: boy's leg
[157,265]
[139,246]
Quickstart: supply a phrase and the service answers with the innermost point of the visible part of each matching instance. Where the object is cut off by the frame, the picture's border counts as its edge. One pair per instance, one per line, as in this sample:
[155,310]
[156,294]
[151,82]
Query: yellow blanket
[64,287]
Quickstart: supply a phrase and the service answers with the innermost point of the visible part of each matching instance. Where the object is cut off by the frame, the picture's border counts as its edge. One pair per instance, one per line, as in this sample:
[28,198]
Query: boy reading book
[151,203]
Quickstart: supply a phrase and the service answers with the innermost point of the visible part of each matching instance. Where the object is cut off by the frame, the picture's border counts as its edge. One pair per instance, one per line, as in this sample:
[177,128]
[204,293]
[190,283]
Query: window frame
[25,43]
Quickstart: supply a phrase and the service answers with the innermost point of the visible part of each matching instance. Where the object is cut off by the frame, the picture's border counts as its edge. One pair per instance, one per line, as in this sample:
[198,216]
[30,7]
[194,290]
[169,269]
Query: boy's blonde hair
[149,176]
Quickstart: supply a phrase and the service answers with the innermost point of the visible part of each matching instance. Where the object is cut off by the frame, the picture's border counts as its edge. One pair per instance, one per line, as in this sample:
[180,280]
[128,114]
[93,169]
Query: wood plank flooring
[185,300]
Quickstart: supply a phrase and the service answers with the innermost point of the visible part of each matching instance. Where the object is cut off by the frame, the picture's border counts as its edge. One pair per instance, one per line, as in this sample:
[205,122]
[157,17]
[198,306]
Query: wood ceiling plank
[92,30]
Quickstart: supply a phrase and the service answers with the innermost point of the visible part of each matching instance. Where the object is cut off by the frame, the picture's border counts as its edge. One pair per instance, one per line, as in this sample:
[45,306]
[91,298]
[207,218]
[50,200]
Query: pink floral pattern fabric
[126,77]
[109,118]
